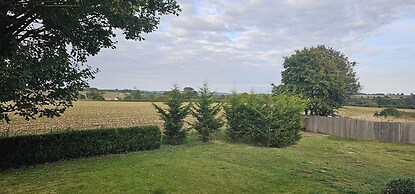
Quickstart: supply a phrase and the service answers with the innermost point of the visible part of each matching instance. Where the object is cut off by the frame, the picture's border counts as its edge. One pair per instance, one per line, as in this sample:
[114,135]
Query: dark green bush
[387,112]
[34,149]
[237,114]
[264,120]
[401,185]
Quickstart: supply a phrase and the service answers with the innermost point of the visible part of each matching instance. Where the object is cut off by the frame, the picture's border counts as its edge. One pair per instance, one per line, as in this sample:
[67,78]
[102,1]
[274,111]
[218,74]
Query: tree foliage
[94,94]
[189,93]
[134,95]
[324,76]
[205,111]
[394,112]
[408,101]
[44,47]
[174,116]
[382,101]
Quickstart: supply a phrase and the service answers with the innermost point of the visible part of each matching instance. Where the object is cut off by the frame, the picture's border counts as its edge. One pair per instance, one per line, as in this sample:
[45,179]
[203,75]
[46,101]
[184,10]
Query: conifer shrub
[264,120]
[173,117]
[206,111]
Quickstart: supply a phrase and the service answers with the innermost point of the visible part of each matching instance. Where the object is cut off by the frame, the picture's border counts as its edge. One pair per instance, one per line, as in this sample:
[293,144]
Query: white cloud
[242,43]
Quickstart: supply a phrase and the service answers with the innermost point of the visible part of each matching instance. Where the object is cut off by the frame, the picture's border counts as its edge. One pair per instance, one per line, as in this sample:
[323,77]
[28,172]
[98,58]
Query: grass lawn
[317,164]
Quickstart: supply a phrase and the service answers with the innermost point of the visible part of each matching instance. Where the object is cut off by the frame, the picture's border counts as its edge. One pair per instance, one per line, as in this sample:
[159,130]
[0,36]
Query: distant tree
[206,112]
[94,94]
[134,95]
[81,96]
[44,46]
[189,93]
[386,101]
[409,101]
[388,112]
[174,116]
[153,97]
[322,75]
[167,93]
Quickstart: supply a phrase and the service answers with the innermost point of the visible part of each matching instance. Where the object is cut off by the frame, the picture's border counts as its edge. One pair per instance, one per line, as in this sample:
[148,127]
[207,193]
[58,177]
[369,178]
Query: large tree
[323,75]
[44,47]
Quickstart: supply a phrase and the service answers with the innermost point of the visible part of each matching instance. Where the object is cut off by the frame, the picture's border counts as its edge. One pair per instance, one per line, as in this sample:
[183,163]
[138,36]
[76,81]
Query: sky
[240,45]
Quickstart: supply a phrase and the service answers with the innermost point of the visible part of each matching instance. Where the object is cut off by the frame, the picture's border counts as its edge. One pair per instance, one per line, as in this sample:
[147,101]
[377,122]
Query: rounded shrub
[401,185]
[387,112]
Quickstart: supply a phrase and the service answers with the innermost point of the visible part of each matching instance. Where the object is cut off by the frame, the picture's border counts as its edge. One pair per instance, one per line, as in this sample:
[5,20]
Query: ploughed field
[97,114]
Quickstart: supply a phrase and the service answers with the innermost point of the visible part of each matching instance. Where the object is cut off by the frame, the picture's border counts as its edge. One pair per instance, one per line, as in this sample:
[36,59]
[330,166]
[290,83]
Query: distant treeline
[126,91]
[383,101]
[137,95]
[374,100]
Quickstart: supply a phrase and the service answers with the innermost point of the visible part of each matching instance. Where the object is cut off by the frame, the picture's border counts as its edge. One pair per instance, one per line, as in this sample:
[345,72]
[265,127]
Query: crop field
[89,114]
[96,114]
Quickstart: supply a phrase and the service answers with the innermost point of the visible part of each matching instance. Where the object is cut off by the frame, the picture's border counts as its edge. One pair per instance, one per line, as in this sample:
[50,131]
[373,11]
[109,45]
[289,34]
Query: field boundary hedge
[36,149]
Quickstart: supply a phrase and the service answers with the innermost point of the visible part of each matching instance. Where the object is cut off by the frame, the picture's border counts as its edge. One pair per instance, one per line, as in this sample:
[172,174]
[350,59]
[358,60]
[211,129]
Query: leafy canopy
[94,94]
[134,95]
[44,47]
[324,76]
[189,93]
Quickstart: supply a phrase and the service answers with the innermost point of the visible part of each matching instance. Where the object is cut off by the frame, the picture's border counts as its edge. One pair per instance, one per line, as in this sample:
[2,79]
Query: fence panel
[359,129]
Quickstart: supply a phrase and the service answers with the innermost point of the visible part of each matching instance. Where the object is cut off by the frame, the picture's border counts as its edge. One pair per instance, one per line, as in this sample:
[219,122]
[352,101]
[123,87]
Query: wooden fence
[359,129]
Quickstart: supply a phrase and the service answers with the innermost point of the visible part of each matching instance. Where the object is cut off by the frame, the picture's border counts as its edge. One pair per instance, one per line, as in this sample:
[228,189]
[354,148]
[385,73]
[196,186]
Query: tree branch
[31,33]
[21,22]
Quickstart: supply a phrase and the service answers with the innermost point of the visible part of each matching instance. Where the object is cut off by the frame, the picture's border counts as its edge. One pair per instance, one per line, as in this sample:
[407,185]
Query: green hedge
[264,120]
[35,149]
